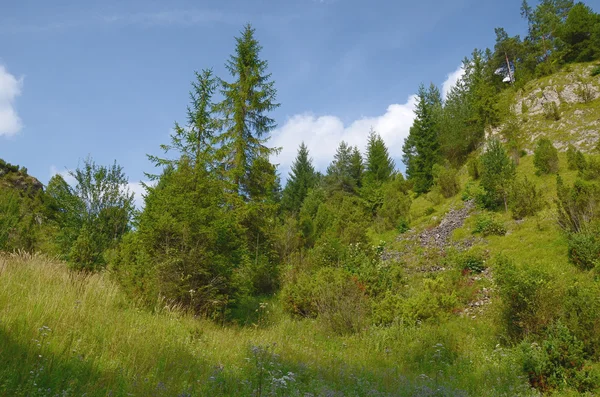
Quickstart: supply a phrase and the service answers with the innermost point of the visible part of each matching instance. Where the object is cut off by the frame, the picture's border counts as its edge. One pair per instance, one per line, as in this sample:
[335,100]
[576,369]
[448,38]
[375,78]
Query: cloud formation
[451,80]
[10,88]
[322,134]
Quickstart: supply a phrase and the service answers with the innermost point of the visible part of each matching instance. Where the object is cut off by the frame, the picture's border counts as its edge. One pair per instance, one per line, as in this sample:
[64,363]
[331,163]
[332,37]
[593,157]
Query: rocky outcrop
[13,177]
[439,236]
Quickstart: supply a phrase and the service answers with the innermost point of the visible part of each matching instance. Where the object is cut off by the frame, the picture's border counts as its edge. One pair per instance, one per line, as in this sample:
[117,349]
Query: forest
[474,272]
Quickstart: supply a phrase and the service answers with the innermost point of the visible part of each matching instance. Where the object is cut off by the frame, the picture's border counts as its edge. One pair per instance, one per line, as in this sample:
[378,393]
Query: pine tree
[247,101]
[356,167]
[302,178]
[195,140]
[379,166]
[421,148]
[345,170]
[579,36]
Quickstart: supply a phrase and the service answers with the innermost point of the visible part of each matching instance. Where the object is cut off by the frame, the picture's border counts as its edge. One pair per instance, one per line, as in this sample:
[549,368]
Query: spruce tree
[194,140]
[421,148]
[356,167]
[345,170]
[302,178]
[247,101]
[379,165]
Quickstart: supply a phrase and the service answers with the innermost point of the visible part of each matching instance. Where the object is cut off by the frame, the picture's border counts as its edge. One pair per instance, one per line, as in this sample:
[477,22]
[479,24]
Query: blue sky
[109,78]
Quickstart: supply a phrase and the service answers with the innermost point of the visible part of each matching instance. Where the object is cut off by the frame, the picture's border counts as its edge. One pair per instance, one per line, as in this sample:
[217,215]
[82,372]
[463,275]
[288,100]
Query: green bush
[558,361]
[545,157]
[342,305]
[473,262]
[525,199]
[591,171]
[445,179]
[498,173]
[432,301]
[396,204]
[584,249]
[595,71]
[551,111]
[581,312]
[577,206]
[474,167]
[575,159]
[529,302]
[488,225]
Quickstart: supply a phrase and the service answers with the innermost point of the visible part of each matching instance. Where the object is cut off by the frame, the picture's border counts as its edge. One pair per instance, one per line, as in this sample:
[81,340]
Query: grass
[71,334]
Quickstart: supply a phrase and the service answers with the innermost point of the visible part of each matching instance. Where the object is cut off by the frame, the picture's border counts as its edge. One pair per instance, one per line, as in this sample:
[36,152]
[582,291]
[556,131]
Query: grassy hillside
[470,313]
[68,334]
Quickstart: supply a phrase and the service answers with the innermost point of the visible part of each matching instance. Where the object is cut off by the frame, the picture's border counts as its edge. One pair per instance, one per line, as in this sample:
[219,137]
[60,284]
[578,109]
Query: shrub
[488,225]
[557,362]
[595,71]
[472,261]
[341,302]
[298,296]
[445,179]
[498,173]
[577,206]
[584,90]
[473,191]
[584,250]
[545,157]
[591,170]
[396,204]
[529,304]
[525,199]
[581,312]
[575,159]
[551,111]
[474,167]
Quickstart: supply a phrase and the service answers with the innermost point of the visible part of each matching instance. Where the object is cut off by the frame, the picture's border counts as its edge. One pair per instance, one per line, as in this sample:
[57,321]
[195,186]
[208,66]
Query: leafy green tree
[379,166]
[421,147]
[498,173]
[301,179]
[245,106]
[67,210]
[95,213]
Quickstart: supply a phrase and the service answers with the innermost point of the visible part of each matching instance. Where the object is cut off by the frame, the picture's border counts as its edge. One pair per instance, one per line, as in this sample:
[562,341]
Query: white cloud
[10,88]
[451,80]
[322,134]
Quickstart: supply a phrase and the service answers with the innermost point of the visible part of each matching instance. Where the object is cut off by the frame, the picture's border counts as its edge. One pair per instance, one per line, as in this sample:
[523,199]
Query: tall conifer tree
[379,166]
[245,107]
[421,148]
[302,177]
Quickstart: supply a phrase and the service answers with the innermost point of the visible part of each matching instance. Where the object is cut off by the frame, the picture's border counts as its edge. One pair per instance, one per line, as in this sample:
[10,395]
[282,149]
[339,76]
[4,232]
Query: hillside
[576,120]
[70,334]
[474,272]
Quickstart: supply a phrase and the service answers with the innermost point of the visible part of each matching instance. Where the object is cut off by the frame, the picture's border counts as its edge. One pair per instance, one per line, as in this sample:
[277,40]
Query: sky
[108,79]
